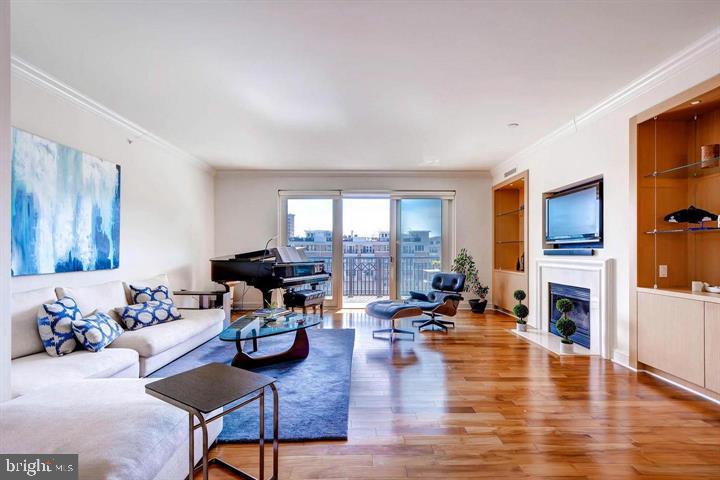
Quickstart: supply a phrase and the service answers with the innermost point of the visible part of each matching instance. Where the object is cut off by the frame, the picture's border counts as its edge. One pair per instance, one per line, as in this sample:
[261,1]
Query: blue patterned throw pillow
[148,314]
[96,331]
[148,294]
[55,326]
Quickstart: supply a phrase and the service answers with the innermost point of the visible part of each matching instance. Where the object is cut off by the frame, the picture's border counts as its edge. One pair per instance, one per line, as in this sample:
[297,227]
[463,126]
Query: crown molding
[670,67]
[354,173]
[26,71]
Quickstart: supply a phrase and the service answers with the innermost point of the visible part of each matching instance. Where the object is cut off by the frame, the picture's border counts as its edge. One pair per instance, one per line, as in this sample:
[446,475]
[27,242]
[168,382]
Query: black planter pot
[478,306]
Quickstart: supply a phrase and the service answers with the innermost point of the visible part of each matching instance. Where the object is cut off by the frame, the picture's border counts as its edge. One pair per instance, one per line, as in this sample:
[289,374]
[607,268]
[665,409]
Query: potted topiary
[521,311]
[565,326]
[465,264]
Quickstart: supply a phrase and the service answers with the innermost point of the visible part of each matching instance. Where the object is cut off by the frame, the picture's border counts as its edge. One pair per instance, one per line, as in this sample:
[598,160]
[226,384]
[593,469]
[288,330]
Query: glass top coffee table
[246,329]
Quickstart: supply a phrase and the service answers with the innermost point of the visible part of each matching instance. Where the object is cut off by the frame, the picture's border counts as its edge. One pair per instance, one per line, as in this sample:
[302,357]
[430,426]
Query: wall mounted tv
[574,217]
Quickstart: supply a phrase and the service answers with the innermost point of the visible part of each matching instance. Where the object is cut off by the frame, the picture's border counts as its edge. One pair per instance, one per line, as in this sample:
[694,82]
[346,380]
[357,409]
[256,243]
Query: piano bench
[303,299]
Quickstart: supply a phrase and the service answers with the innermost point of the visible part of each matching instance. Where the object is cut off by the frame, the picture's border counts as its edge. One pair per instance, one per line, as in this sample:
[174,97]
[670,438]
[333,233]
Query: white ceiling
[353,85]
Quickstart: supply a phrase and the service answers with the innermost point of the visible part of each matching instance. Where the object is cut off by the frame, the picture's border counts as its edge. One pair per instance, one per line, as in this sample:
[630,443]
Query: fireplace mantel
[591,274]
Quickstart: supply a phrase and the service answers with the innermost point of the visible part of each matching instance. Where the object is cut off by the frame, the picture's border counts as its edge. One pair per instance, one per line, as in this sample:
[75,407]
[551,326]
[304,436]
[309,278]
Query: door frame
[337,244]
[370,194]
[447,225]
[448,222]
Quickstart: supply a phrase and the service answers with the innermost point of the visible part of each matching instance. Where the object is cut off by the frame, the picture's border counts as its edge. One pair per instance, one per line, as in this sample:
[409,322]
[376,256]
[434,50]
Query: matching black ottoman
[392,310]
[303,299]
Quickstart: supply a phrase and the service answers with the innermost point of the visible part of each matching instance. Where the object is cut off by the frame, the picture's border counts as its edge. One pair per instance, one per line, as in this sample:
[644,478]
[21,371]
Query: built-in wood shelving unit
[509,240]
[671,176]
[675,331]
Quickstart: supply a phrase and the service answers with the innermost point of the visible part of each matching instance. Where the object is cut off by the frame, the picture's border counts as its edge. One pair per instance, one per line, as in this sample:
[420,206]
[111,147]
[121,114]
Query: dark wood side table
[210,387]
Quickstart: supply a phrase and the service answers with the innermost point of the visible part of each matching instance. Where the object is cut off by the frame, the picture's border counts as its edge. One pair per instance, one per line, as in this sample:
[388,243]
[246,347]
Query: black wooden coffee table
[293,322]
[211,387]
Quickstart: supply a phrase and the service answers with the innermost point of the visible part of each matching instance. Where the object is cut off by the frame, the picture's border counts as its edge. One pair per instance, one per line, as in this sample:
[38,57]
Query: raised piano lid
[246,257]
[290,255]
[284,254]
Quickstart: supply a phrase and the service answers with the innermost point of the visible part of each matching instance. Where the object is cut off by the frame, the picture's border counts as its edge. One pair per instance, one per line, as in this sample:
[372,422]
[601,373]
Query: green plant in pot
[465,264]
[565,326]
[520,311]
[272,308]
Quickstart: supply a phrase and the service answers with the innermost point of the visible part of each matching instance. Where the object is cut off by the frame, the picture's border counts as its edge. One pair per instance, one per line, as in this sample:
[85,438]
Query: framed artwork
[65,208]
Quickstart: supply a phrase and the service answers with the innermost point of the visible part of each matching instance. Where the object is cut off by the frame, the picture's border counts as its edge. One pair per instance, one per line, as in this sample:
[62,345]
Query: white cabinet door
[671,335]
[712,347]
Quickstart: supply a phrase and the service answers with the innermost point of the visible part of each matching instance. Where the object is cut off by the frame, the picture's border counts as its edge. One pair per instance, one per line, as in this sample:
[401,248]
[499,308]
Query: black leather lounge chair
[442,300]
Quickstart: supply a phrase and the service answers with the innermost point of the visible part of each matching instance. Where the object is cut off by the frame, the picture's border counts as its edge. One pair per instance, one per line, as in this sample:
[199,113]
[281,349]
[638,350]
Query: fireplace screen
[580,314]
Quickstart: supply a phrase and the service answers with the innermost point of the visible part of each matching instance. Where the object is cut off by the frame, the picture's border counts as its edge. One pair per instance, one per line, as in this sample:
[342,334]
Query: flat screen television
[575,216]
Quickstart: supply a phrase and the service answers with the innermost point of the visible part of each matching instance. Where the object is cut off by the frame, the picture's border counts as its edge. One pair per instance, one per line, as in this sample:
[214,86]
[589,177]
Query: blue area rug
[314,393]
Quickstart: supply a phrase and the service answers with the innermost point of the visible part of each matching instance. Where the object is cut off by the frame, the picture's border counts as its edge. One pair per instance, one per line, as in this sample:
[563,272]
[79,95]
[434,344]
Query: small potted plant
[465,264]
[272,309]
[565,326]
[478,305]
[521,311]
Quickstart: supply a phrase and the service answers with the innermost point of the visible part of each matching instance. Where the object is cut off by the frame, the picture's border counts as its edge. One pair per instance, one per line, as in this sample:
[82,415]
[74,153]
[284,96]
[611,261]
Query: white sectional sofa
[94,404]
[119,431]
[134,354]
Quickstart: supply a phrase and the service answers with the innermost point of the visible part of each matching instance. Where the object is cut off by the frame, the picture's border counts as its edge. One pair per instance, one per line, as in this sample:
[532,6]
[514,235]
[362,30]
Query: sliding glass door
[309,224]
[376,245]
[419,243]
[366,250]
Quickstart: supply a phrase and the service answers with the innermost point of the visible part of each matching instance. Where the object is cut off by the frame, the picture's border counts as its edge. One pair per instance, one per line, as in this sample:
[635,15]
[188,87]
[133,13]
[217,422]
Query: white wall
[601,146]
[246,206]
[5,200]
[166,200]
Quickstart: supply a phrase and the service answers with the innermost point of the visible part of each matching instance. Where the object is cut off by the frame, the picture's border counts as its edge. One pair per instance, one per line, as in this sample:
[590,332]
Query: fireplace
[592,275]
[580,297]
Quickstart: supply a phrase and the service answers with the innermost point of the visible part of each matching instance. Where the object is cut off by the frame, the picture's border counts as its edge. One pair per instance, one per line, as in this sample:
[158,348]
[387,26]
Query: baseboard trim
[622,358]
[497,309]
[679,385]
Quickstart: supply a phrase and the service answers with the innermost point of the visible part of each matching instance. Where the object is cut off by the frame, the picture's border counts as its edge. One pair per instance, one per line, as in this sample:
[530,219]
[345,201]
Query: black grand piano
[280,267]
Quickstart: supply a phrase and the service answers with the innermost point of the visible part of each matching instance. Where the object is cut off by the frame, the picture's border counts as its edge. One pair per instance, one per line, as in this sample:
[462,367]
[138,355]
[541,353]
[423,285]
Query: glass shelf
[510,241]
[519,211]
[689,170]
[683,230]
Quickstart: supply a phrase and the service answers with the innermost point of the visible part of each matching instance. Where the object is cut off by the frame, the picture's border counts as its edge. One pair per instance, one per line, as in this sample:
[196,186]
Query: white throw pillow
[25,338]
[103,297]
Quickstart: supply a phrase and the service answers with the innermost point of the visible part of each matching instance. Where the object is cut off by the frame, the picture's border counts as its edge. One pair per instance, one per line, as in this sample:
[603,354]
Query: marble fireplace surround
[591,274]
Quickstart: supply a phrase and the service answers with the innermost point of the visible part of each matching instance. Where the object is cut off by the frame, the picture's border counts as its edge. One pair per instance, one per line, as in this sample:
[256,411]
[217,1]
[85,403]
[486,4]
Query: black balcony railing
[370,275]
[366,276]
[416,273]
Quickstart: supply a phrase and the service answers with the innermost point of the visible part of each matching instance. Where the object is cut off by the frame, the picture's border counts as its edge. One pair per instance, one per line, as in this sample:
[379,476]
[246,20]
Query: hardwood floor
[479,402]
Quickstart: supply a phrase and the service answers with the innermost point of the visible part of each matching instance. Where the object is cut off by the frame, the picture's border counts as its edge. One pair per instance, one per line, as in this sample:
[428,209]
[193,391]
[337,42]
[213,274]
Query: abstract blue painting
[65,208]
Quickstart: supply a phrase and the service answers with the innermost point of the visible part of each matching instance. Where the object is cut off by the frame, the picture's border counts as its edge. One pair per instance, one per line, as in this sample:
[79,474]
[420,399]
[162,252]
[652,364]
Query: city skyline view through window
[366,251]
[366,254]
[315,217]
[419,252]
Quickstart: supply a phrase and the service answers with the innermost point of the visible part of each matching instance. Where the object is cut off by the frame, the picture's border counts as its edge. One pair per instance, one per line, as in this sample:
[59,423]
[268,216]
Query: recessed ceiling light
[695,102]
[513,125]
